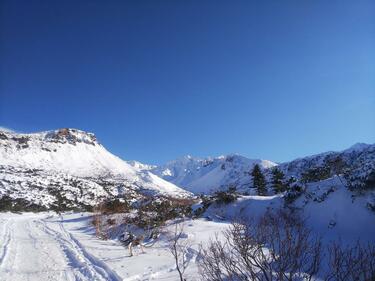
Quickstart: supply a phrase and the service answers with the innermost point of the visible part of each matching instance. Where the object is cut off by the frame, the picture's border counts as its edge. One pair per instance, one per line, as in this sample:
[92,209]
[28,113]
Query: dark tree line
[334,166]
[259,180]
[278,182]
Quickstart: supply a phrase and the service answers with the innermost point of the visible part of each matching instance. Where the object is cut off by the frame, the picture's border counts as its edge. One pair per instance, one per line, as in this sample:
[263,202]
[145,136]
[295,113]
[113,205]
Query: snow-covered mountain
[71,161]
[358,162]
[66,150]
[204,175]
[70,166]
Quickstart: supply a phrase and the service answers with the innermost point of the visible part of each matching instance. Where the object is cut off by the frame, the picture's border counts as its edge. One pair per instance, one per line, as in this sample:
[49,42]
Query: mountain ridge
[186,171]
[204,175]
[67,164]
[77,163]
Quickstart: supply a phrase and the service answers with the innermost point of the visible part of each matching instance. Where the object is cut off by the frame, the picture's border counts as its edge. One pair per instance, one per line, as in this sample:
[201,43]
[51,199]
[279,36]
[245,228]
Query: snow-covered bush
[115,206]
[361,178]
[316,174]
[294,191]
[205,202]
[145,213]
[8,204]
[225,197]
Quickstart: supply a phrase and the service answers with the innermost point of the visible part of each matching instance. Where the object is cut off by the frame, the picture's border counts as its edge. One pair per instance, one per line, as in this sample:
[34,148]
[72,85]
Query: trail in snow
[5,239]
[41,247]
[83,262]
[33,249]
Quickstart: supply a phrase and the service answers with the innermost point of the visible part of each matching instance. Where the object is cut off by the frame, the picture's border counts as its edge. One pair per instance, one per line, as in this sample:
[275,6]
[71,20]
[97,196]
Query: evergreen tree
[278,180]
[259,181]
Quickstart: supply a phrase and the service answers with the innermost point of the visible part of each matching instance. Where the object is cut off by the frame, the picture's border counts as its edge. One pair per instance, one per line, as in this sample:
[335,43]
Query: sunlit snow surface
[41,247]
[47,246]
[68,159]
[204,175]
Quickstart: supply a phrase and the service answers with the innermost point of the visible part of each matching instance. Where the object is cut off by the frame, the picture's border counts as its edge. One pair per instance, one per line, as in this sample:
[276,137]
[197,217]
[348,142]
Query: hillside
[356,163]
[70,167]
[207,175]
[330,209]
[204,175]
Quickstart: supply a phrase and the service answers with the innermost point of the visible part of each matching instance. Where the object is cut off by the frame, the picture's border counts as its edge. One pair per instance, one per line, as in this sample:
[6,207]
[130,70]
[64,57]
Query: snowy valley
[77,208]
[206,175]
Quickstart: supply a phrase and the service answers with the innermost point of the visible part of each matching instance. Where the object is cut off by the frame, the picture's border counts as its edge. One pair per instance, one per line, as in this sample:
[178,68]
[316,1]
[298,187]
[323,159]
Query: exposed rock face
[71,136]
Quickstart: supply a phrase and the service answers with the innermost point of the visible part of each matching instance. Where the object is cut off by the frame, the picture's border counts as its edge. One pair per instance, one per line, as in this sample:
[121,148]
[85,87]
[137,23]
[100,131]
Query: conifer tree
[259,181]
[278,180]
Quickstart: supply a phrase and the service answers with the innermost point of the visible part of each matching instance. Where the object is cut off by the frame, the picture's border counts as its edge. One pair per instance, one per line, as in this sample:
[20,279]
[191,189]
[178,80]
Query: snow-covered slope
[41,160]
[330,209]
[203,175]
[358,162]
[66,150]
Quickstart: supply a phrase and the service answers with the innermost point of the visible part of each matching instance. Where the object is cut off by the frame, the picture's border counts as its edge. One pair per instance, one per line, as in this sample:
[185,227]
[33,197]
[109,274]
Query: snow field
[46,246]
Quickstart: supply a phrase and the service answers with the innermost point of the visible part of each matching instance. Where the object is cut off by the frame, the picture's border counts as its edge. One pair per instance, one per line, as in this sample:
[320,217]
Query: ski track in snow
[45,247]
[53,253]
[78,257]
[6,236]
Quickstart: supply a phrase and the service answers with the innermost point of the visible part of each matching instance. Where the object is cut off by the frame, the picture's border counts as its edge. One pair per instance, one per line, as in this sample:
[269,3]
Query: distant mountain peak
[185,158]
[358,146]
[211,173]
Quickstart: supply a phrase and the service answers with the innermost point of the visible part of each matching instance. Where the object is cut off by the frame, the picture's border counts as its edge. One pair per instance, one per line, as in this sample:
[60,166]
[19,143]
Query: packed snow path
[46,246]
[33,249]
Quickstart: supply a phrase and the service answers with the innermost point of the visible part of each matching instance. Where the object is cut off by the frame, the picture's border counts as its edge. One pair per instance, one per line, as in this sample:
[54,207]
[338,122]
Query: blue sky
[155,80]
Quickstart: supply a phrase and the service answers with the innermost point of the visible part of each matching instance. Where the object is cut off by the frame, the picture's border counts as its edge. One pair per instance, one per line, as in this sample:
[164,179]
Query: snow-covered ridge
[66,150]
[74,153]
[359,160]
[203,175]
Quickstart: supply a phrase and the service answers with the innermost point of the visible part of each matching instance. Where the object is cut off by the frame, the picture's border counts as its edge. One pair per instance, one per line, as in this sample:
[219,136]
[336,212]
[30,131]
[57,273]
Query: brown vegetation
[279,246]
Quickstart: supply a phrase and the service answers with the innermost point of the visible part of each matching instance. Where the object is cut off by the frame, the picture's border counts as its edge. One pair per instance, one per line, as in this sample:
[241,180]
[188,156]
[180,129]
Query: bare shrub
[97,221]
[153,213]
[226,197]
[178,247]
[278,246]
[149,213]
[355,263]
[115,206]
[111,221]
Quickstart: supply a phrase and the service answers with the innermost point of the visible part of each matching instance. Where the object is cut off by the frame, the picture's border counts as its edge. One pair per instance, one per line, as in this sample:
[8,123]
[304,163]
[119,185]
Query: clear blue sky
[155,80]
